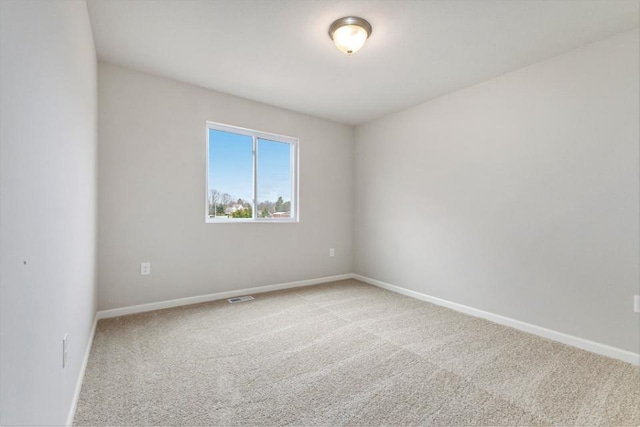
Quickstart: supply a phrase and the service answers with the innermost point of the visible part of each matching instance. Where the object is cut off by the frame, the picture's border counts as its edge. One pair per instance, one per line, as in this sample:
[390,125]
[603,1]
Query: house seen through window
[251,175]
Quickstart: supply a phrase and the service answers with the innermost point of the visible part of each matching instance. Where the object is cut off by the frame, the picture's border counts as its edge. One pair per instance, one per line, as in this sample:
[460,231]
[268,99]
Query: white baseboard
[83,368]
[105,314]
[584,344]
[603,349]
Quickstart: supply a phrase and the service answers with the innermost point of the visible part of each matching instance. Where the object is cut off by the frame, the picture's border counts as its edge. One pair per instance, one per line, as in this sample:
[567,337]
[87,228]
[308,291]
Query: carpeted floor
[343,353]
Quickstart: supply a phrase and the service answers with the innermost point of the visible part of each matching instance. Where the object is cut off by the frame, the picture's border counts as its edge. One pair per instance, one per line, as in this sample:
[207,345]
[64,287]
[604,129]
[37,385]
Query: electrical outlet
[65,349]
[332,252]
[145,268]
[636,303]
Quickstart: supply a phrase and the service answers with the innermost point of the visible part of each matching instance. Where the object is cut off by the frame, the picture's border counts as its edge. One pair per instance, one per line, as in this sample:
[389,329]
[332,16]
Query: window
[251,175]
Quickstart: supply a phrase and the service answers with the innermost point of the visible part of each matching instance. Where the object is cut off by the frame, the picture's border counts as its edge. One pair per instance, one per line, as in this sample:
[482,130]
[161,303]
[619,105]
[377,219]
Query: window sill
[250,220]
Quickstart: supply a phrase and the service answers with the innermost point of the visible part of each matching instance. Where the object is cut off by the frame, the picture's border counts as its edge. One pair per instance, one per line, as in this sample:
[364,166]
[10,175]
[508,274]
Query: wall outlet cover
[145,268]
[65,350]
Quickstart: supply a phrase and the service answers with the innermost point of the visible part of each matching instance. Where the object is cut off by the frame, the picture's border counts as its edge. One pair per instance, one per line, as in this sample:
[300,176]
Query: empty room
[319,212]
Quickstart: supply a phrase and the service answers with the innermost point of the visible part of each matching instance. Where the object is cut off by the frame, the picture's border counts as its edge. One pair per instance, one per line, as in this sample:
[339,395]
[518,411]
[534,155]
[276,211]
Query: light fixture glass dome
[350,33]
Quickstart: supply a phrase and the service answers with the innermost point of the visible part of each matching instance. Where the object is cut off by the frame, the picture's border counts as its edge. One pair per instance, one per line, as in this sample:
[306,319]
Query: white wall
[152,161]
[48,112]
[518,196]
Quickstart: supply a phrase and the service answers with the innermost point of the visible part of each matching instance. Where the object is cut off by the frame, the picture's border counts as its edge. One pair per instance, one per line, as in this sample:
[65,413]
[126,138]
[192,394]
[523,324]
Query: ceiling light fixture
[349,33]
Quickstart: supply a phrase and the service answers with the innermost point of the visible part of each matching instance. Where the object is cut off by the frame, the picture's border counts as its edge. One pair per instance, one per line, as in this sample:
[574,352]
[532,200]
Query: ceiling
[278,51]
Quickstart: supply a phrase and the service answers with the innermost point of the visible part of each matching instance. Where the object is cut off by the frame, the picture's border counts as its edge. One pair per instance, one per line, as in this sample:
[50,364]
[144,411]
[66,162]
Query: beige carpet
[343,353]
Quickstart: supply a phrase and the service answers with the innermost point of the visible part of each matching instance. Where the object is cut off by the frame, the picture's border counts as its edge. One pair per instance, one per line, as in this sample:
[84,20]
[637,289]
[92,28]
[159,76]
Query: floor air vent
[240,299]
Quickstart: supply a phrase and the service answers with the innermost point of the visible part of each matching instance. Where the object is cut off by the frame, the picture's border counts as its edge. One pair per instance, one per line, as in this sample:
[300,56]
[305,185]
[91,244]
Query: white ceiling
[278,51]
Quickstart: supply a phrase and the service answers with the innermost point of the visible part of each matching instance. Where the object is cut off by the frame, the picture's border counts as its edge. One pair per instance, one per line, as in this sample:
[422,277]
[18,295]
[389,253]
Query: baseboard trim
[141,308]
[584,344]
[83,368]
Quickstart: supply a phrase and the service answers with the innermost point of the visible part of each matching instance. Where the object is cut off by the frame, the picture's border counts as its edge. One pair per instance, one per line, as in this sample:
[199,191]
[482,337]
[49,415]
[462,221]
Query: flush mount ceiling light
[349,33]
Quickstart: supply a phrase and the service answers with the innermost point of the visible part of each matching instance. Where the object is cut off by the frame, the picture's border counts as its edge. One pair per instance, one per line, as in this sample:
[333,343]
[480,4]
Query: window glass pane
[274,179]
[230,177]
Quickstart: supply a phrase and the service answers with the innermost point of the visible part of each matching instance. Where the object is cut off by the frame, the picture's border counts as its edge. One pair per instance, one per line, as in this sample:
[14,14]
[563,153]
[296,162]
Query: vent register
[240,299]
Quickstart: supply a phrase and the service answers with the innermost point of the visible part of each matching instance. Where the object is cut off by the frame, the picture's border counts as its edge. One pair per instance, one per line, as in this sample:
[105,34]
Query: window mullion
[255,178]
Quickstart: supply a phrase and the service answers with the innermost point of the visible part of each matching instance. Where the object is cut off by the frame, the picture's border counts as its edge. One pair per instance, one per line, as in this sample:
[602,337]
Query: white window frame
[255,134]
